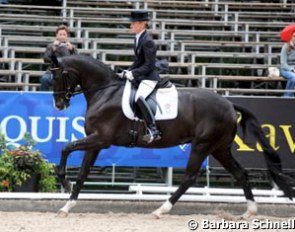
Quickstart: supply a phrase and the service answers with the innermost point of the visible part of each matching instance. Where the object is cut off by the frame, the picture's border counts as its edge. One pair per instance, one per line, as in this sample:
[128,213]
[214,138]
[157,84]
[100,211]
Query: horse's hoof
[247,215]
[62,213]
[251,210]
[156,214]
[165,208]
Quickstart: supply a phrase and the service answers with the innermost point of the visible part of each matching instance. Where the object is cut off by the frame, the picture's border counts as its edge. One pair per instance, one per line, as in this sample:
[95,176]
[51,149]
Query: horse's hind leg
[240,174]
[195,161]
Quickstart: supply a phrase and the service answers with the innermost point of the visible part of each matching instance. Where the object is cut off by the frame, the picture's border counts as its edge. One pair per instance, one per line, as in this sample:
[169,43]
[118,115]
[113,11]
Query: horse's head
[64,83]
[60,88]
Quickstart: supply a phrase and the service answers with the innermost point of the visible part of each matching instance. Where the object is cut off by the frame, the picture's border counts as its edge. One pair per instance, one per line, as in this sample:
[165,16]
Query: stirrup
[150,136]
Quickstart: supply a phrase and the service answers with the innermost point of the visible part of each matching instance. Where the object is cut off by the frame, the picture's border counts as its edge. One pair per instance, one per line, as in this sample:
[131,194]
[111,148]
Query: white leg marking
[65,210]
[251,209]
[165,208]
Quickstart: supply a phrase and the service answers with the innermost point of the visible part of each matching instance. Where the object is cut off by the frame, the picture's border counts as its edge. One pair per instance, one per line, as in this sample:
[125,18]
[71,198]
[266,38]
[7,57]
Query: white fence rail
[213,194]
[159,193]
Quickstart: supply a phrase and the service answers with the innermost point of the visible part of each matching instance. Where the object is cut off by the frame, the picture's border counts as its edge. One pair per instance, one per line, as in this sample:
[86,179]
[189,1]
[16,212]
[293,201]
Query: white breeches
[145,88]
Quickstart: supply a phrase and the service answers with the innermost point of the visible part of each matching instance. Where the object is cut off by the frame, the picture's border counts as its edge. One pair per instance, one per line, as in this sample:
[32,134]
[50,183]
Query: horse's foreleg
[195,161]
[61,172]
[91,144]
[240,174]
[82,144]
[88,161]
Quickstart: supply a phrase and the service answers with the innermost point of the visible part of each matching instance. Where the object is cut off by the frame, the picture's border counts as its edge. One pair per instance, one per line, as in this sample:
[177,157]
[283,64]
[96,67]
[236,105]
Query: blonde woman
[143,70]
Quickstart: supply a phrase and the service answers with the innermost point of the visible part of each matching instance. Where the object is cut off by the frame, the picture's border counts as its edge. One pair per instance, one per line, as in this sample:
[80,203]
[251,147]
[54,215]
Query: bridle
[67,92]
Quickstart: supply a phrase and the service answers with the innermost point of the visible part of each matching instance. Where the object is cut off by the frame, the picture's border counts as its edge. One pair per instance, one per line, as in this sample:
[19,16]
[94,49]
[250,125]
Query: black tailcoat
[143,67]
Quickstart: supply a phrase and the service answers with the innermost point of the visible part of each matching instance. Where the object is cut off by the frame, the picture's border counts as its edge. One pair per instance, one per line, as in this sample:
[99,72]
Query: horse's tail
[250,123]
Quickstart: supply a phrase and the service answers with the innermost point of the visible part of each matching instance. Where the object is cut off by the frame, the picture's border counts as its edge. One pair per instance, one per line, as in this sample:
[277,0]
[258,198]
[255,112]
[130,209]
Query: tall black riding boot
[153,132]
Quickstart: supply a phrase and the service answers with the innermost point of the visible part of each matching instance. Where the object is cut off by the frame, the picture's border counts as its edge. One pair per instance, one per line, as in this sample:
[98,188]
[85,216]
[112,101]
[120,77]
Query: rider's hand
[126,74]
[129,75]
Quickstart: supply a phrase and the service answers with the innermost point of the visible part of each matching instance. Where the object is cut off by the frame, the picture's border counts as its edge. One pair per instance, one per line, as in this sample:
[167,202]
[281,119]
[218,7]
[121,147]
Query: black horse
[205,119]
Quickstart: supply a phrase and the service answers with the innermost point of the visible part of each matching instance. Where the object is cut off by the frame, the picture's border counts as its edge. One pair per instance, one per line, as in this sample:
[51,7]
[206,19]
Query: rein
[68,93]
[100,87]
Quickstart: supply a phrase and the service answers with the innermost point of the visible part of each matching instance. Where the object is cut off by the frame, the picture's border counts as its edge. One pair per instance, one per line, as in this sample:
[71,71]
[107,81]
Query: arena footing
[144,207]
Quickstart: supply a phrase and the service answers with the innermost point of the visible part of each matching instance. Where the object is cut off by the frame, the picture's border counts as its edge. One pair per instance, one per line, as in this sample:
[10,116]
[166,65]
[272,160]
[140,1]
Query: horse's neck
[97,79]
[89,84]
[104,91]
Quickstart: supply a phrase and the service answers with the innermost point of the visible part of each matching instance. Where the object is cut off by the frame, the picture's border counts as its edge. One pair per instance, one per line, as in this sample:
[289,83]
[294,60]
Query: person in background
[62,39]
[143,70]
[287,70]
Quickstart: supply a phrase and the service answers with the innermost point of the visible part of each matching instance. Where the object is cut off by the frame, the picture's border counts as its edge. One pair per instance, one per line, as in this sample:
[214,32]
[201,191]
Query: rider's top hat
[139,16]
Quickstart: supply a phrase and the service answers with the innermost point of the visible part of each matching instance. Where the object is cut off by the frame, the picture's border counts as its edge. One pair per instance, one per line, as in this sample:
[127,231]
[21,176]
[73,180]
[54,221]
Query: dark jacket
[49,52]
[143,67]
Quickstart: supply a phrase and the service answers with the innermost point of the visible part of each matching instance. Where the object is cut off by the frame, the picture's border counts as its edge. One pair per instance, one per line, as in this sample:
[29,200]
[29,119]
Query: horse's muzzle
[61,105]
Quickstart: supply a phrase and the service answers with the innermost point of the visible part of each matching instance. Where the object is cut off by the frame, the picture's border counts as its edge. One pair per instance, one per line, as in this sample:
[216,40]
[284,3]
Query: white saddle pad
[167,103]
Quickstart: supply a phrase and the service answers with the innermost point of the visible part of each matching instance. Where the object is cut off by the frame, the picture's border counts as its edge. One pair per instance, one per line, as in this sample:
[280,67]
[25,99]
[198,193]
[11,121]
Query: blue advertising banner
[34,113]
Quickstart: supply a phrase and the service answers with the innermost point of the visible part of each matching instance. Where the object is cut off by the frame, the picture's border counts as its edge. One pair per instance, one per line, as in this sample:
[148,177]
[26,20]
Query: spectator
[288,65]
[62,34]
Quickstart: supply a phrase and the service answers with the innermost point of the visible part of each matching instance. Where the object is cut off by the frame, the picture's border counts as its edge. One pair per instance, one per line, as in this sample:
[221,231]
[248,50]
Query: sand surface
[124,222]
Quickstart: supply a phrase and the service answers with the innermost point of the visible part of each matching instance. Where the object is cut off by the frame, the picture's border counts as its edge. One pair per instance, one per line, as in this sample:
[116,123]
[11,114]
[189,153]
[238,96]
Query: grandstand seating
[214,42]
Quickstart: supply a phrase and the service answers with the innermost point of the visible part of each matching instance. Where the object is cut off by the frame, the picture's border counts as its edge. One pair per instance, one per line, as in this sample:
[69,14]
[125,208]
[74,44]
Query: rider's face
[137,27]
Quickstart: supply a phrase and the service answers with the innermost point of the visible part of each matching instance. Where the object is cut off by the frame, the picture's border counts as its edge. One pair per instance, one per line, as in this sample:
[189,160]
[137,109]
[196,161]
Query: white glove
[129,75]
